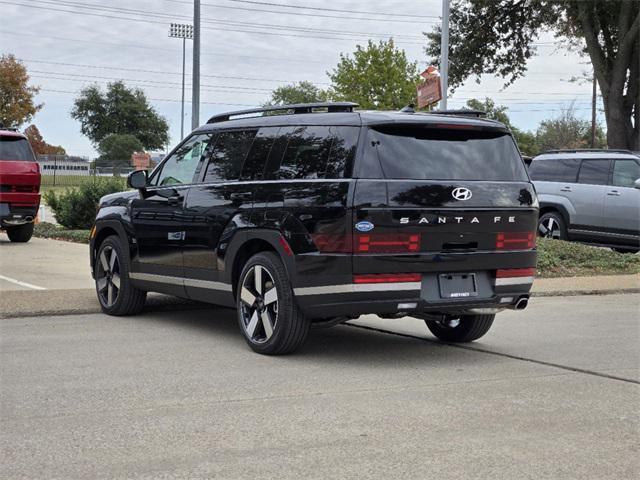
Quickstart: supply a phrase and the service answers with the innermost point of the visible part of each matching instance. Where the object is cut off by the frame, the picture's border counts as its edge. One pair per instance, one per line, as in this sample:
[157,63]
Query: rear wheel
[269,317]
[20,233]
[466,328]
[116,294]
[551,225]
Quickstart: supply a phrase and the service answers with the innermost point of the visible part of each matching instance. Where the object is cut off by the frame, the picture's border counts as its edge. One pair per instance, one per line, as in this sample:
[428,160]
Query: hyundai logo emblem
[461,193]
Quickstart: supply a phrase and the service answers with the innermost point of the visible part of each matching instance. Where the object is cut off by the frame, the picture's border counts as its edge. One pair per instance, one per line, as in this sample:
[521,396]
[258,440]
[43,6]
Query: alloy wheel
[108,276]
[259,304]
[549,228]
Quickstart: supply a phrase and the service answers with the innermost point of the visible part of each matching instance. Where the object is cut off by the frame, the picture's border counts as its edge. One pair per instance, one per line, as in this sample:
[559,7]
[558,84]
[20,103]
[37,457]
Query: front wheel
[20,233]
[269,318]
[116,294]
[465,328]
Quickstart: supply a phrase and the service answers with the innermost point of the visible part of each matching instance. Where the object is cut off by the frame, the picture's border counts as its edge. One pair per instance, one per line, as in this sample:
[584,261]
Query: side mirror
[636,184]
[137,179]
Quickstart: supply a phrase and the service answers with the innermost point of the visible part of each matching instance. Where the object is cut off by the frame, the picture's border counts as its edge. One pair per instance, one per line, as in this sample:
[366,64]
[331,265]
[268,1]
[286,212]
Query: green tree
[567,131]
[301,92]
[498,37]
[16,96]
[121,111]
[526,140]
[115,150]
[378,76]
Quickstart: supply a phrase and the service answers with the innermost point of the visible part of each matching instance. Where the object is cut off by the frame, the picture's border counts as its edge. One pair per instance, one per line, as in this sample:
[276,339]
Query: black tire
[467,328]
[555,220]
[630,250]
[270,327]
[20,233]
[124,298]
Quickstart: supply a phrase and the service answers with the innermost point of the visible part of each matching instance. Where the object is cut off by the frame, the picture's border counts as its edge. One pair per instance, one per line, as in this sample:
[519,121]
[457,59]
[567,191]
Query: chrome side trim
[357,288]
[187,282]
[513,281]
[606,234]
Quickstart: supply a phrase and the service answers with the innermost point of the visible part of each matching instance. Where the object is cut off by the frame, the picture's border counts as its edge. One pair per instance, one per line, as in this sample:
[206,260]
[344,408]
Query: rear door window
[563,170]
[407,152]
[15,149]
[254,164]
[625,173]
[594,172]
[228,155]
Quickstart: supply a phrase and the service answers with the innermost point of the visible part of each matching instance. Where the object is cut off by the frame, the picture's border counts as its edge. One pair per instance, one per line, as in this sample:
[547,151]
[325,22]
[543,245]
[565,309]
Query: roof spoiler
[297,108]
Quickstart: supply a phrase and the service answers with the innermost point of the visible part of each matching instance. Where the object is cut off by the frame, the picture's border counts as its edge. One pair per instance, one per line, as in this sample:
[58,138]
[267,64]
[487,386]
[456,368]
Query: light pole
[195,79]
[444,54]
[185,32]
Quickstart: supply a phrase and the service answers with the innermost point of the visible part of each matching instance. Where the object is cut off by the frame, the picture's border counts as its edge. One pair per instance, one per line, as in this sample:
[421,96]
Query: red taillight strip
[388,243]
[387,278]
[515,240]
[515,272]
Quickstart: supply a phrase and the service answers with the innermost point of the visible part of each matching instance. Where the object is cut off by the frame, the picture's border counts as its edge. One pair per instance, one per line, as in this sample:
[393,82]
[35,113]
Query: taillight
[515,240]
[333,243]
[516,272]
[387,278]
[388,243]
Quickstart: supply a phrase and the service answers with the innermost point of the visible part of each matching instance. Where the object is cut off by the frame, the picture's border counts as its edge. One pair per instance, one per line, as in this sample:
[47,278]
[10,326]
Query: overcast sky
[68,44]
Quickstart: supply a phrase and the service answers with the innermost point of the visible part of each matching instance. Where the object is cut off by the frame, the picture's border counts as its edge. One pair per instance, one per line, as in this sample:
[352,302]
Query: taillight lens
[516,272]
[387,278]
[333,243]
[515,240]
[388,243]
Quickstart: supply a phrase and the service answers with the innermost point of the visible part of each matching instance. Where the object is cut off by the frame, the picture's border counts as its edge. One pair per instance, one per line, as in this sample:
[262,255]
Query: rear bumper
[12,215]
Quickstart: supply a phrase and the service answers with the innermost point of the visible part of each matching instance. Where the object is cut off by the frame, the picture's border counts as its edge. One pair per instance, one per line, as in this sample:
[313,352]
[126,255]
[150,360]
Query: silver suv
[590,196]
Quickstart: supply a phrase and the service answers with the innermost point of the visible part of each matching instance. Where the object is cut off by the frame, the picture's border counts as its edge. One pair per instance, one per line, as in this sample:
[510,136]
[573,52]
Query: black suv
[317,213]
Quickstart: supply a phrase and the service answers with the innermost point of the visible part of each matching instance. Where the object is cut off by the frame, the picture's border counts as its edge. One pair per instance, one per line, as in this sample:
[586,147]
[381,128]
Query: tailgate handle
[460,246]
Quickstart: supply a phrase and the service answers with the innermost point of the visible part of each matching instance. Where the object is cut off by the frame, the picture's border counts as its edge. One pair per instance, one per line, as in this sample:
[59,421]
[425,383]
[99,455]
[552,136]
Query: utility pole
[195,89]
[444,54]
[594,97]
[179,30]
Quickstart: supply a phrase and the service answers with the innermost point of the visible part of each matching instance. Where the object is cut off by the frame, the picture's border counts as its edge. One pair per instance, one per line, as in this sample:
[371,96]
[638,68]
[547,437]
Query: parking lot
[551,392]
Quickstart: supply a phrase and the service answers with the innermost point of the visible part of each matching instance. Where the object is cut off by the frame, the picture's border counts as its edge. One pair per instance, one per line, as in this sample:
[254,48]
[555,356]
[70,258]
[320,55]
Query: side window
[343,151]
[183,166]
[307,153]
[563,170]
[625,173]
[228,155]
[253,168]
[594,172]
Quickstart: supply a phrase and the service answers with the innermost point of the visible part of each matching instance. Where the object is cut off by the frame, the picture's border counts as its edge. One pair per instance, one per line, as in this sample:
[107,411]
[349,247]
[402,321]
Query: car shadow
[339,344]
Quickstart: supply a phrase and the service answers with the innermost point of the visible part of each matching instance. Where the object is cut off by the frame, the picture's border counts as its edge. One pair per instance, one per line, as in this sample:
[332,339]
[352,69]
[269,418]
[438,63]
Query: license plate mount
[458,285]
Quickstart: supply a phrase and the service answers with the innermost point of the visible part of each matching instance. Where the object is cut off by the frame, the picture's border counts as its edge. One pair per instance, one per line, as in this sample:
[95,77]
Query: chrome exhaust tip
[522,303]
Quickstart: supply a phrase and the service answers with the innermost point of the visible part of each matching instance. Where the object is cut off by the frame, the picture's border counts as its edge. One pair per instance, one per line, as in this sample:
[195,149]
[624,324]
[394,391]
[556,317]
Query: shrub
[75,208]
[49,230]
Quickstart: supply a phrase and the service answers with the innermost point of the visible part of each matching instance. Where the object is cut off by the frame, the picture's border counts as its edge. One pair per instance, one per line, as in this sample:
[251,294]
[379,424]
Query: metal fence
[58,170]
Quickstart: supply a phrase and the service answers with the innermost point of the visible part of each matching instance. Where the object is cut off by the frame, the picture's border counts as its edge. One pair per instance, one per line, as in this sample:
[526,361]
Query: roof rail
[587,150]
[284,109]
[467,112]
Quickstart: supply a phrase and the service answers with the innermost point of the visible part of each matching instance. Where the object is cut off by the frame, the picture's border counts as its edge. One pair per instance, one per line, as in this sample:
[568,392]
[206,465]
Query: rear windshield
[441,154]
[15,148]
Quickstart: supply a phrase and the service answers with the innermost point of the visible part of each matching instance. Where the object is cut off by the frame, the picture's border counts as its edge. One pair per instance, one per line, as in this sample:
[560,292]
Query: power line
[299,14]
[324,9]
[160,15]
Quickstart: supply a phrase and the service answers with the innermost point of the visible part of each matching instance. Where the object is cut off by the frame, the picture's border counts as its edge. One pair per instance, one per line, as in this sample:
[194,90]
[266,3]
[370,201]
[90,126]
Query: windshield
[15,148]
[420,153]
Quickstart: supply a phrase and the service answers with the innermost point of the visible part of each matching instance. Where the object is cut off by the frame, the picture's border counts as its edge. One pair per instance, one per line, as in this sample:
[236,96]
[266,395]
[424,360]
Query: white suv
[590,196]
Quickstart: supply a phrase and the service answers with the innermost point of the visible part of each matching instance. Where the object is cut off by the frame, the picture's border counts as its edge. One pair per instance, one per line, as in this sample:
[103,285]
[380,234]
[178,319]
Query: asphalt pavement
[551,392]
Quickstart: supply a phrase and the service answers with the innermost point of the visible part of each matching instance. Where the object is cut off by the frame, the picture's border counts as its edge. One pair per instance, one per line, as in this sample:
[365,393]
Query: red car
[19,186]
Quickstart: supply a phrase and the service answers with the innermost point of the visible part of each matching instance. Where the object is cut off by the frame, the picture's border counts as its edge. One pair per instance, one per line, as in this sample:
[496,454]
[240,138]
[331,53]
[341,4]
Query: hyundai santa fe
[314,214]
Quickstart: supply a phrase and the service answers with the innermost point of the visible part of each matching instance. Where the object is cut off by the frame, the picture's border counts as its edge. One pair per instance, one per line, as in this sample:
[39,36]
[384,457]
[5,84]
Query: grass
[567,259]
[49,230]
[555,257]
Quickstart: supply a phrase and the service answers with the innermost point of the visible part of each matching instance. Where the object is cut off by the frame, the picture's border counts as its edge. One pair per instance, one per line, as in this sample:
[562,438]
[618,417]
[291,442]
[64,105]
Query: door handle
[614,193]
[242,196]
[174,200]
[565,189]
